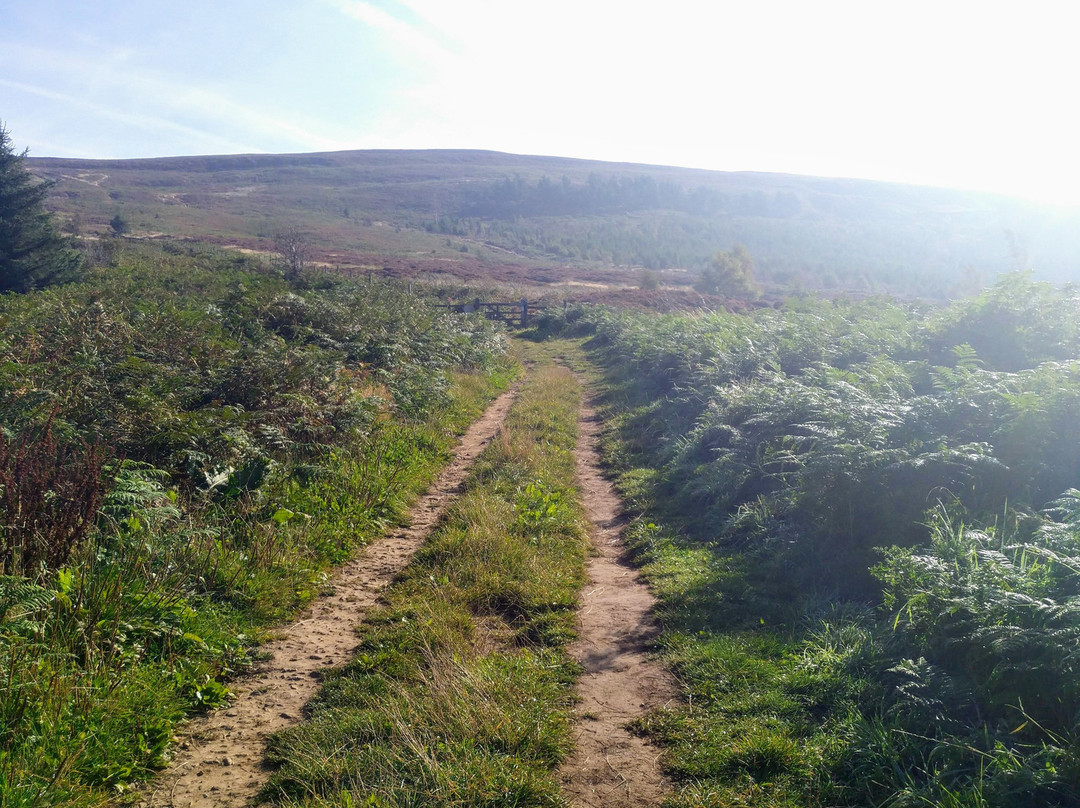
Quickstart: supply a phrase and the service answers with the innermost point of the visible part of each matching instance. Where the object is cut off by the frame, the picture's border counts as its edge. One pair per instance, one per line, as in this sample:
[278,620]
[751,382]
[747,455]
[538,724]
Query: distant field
[475,216]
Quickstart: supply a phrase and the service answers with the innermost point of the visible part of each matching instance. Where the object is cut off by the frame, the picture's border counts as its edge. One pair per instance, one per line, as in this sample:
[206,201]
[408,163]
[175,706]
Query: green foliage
[460,691]
[119,225]
[729,273]
[780,450]
[826,429]
[649,280]
[1013,325]
[266,431]
[32,252]
[984,708]
[1001,611]
[190,366]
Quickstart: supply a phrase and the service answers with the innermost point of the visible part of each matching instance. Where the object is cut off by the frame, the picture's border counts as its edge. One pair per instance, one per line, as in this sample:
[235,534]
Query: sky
[977,95]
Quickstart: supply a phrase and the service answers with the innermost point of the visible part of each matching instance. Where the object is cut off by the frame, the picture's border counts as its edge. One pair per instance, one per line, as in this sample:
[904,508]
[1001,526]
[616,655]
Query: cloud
[176,105]
[416,42]
[957,93]
[140,120]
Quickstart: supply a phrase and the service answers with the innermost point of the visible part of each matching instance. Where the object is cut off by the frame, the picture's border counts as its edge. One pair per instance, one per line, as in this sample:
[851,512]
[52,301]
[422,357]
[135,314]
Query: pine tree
[32,252]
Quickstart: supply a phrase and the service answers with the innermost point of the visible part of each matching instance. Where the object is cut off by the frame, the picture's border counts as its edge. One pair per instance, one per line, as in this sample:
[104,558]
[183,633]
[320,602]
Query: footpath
[219,764]
[611,766]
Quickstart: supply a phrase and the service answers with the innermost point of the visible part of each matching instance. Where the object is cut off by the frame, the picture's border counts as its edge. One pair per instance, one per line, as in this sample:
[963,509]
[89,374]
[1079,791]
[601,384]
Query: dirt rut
[611,766]
[219,764]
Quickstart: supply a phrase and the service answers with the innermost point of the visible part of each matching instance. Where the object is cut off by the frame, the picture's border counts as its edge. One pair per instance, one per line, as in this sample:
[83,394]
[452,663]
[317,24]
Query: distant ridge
[478,207]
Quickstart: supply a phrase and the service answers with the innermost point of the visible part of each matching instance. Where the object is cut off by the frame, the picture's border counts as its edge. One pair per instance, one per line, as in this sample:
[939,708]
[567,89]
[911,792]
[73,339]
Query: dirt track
[219,764]
[611,766]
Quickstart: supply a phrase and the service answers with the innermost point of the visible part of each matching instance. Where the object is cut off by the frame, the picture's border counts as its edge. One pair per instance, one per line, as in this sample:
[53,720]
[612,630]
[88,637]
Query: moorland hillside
[504,217]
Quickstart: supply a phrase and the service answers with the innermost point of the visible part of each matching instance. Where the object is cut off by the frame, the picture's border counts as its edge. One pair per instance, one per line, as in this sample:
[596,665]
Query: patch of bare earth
[219,764]
[611,766]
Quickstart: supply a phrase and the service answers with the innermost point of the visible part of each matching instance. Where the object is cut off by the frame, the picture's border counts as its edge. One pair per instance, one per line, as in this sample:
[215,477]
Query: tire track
[219,762]
[612,767]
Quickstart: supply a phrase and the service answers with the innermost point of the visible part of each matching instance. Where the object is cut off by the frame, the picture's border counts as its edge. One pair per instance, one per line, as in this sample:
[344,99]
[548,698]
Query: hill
[480,214]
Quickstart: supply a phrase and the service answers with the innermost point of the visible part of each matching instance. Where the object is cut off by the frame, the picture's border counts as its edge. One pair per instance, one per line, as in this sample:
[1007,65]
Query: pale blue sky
[967,94]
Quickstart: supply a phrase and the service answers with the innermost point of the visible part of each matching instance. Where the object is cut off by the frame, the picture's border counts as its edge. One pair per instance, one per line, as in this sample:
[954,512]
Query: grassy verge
[769,688]
[266,432]
[768,697]
[100,666]
[460,693]
[867,579]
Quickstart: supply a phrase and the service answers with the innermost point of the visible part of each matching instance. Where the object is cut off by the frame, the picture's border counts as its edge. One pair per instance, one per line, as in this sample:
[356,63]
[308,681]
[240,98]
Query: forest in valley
[860,517]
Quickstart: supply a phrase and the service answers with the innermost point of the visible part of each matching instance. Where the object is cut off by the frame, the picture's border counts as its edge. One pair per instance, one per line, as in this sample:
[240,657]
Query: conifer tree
[32,252]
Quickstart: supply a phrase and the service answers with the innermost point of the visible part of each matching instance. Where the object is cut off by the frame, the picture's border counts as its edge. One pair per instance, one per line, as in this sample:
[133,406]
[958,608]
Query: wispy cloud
[416,41]
[957,93]
[166,104]
[143,121]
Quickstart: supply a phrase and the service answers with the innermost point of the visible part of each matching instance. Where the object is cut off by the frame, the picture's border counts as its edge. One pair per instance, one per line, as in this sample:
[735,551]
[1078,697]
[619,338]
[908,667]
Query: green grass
[91,713]
[268,432]
[765,717]
[460,692]
[769,458]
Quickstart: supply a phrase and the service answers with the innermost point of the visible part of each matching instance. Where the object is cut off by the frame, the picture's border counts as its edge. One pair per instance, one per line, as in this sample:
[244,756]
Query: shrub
[50,492]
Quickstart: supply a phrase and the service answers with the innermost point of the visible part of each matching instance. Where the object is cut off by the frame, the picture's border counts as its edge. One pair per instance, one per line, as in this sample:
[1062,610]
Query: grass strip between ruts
[460,692]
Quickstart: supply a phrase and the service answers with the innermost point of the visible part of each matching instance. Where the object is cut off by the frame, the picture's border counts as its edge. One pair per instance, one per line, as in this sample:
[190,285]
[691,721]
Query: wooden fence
[510,313]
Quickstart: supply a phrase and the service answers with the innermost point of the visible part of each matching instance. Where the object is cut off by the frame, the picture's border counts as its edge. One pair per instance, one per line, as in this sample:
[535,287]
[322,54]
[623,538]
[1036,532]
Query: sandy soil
[611,766]
[219,761]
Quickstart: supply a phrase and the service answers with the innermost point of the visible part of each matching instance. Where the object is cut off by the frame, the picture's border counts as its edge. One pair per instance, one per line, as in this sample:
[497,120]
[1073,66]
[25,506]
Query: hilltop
[479,215]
